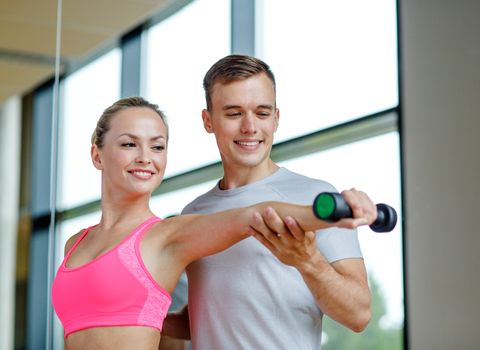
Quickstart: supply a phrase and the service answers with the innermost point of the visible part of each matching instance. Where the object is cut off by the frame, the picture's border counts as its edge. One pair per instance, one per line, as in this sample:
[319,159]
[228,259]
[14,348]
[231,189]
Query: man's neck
[237,177]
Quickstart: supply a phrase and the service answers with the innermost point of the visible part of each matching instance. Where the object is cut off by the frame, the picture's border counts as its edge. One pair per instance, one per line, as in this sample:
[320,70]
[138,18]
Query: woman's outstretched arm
[196,236]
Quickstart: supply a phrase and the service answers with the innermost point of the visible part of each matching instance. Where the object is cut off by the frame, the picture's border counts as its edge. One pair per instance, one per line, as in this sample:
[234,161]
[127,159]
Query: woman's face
[134,155]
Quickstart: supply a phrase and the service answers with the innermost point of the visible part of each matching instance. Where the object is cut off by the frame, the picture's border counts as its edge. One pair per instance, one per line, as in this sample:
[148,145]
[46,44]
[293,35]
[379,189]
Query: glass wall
[86,93]
[179,52]
[334,61]
[373,166]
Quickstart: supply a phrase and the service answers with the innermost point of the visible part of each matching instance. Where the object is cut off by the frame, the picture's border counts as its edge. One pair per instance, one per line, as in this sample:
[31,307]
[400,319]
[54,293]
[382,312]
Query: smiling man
[245,297]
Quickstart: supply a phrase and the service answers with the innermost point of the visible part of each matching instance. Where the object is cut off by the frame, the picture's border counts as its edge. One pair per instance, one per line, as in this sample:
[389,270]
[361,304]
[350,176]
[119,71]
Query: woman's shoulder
[171,231]
[71,241]
[170,225]
[163,238]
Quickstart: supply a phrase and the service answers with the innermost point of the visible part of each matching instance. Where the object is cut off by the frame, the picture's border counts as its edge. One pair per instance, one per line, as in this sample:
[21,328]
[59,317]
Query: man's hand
[340,288]
[361,205]
[284,238]
[176,324]
[291,244]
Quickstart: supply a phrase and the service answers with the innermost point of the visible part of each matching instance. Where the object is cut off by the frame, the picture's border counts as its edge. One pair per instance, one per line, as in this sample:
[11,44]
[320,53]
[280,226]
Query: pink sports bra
[114,289]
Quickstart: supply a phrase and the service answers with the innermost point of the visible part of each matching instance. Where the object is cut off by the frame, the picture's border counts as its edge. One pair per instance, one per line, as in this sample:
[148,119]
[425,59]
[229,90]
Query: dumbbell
[331,207]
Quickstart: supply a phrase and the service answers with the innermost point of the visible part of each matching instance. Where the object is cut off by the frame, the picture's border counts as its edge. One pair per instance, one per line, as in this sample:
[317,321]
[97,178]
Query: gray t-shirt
[244,297]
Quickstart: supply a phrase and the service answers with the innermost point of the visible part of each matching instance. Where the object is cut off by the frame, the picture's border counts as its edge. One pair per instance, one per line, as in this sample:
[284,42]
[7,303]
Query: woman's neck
[116,212]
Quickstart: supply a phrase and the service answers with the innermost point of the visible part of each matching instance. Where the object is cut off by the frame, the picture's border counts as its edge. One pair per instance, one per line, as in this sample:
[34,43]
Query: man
[246,297]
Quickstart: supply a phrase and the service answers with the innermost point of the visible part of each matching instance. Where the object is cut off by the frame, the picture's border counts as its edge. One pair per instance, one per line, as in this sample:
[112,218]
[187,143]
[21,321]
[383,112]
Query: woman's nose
[143,157]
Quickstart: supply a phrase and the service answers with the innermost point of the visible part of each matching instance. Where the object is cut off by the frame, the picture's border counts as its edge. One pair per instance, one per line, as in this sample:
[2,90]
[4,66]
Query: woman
[112,291]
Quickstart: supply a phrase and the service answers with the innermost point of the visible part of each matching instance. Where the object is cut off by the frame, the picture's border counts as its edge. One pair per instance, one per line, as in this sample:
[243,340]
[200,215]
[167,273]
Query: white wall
[441,142]
[9,200]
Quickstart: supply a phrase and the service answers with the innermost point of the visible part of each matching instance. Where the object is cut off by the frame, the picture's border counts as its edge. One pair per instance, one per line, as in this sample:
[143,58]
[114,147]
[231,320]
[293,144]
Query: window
[371,165]
[334,61]
[172,203]
[82,106]
[180,50]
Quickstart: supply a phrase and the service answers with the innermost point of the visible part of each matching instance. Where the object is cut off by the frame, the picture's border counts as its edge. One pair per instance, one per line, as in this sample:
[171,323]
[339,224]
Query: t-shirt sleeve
[334,243]
[337,244]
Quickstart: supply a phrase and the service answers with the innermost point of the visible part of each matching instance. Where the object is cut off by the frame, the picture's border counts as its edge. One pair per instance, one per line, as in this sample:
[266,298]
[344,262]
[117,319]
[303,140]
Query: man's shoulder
[284,185]
[192,206]
[291,181]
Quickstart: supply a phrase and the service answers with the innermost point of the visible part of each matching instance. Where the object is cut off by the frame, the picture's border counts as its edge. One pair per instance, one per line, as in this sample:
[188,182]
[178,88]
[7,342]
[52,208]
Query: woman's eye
[158,148]
[128,144]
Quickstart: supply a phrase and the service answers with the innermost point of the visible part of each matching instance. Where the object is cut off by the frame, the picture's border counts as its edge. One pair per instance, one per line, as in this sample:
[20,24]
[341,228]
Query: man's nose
[248,124]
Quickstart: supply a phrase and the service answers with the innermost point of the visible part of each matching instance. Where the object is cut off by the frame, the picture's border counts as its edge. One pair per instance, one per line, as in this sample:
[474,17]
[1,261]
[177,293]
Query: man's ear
[96,158]
[277,118]
[207,121]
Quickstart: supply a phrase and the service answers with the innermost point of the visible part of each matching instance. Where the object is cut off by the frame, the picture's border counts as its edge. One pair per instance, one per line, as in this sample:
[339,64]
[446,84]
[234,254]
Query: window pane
[180,51]
[372,166]
[172,203]
[87,93]
[333,60]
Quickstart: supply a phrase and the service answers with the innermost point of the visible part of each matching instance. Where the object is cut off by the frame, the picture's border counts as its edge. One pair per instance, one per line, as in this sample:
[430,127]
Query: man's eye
[233,114]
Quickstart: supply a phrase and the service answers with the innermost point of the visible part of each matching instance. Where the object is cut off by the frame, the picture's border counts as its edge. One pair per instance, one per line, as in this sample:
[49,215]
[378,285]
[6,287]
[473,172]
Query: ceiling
[28,34]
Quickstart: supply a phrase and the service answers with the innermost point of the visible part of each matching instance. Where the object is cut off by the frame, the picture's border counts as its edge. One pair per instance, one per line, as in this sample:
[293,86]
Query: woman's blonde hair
[103,124]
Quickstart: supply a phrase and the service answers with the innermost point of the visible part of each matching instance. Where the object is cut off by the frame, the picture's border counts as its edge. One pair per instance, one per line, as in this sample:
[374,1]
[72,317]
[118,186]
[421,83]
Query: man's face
[243,118]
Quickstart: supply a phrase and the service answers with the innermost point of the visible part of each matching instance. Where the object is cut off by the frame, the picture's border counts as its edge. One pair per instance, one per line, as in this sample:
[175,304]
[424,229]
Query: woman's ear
[96,157]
